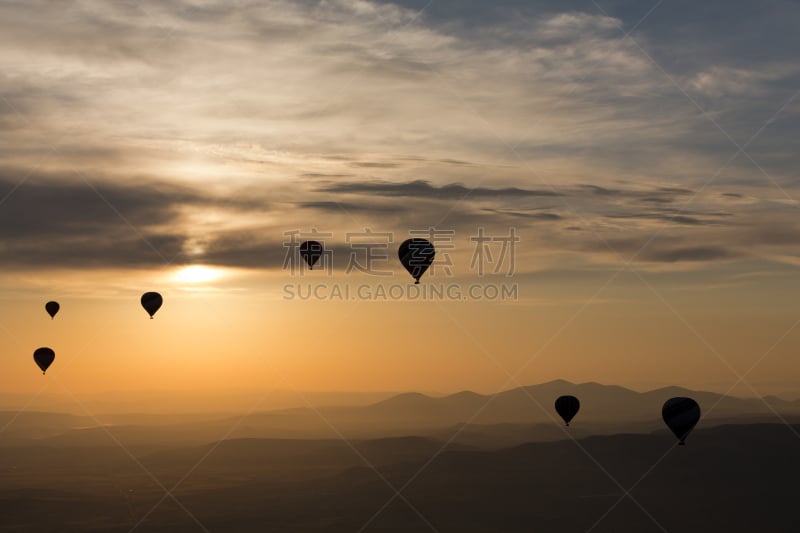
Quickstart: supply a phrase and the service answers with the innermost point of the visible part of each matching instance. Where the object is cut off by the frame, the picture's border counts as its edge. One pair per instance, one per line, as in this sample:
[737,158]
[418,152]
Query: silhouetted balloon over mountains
[52,308]
[44,357]
[416,256]
[681,415]
[151,301]
[567,407]
[311,251]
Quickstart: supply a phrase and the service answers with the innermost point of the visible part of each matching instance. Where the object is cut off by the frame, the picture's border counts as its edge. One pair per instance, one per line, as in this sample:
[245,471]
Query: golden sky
[651,181]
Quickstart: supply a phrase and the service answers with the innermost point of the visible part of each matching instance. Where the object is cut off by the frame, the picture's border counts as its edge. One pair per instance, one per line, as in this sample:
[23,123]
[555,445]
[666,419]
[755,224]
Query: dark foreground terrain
[729,478]
[513,468]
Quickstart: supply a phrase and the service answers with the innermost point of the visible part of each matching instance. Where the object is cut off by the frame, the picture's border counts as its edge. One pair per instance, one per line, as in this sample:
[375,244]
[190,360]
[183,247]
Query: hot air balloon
[311,251]
[416,256]
[681,415]
[52,308]
[44,358]
[567,407]
[151,301]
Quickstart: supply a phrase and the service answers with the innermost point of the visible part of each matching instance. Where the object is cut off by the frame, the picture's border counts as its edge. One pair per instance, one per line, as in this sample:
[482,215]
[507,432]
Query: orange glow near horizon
[649,254]
[228,340]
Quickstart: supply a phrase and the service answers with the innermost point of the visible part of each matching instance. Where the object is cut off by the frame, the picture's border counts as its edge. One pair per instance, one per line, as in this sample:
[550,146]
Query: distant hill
[182,402]
[22,425]
[729,479]
[611,406]
[519,415]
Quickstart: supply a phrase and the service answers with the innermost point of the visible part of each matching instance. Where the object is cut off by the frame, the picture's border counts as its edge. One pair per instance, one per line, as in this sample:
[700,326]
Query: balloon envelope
[567,407]
[44,358]
[311,251]
[52,308]
[681,415]
[151,301]
[416,256]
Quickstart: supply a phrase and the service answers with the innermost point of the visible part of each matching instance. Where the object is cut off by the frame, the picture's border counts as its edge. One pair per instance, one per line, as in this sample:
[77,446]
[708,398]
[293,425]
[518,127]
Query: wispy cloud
[214,127]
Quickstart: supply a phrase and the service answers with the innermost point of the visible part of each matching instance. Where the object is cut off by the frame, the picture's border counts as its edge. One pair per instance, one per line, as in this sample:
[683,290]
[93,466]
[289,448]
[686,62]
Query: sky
[644,153]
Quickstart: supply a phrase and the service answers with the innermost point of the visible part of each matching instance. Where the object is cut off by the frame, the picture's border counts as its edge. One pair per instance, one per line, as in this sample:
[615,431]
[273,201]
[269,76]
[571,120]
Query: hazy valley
[513,467]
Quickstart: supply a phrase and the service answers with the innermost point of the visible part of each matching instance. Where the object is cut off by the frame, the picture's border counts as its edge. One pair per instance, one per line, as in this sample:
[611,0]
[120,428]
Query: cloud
[572,25]
[374,164]
[423,189]
[687,253]
[677,219]
[529,215]
[718,81]
[346,207]
[50,222]
[212,126]
[244,249]
[660,249]
[453,84]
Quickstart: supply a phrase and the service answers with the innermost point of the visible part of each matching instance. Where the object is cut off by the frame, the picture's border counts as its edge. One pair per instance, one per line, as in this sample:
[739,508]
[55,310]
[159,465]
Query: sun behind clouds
[195,274]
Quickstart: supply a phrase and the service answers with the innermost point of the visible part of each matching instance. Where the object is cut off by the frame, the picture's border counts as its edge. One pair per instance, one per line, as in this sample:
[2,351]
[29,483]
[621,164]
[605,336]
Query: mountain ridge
[520,413]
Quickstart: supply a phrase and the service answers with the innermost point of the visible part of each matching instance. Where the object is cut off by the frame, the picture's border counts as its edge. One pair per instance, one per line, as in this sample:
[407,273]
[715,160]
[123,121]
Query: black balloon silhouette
[681,415]
[151,301]
[44,358]
[52,308]
[311,252]
[567,407]
[416,256]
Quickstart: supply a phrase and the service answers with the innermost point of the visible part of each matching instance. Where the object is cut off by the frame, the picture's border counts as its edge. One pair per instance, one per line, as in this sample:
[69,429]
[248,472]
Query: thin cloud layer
[50,222]
[208,129]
